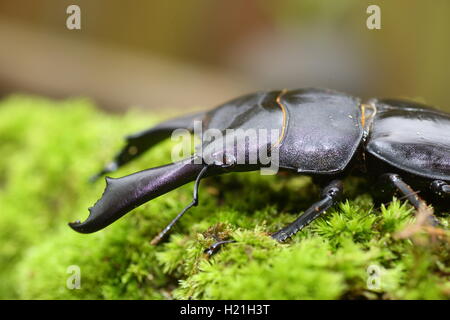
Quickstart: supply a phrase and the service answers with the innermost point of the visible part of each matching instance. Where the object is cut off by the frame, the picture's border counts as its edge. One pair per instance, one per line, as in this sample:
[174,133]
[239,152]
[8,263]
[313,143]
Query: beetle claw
[124,194]
[74,225]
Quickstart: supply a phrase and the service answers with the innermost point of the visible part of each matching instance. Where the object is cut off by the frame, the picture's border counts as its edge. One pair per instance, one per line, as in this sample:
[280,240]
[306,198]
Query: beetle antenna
[193,203]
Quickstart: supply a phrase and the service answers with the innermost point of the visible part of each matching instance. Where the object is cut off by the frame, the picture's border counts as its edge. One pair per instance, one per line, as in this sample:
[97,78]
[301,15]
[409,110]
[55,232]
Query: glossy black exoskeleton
[321,133]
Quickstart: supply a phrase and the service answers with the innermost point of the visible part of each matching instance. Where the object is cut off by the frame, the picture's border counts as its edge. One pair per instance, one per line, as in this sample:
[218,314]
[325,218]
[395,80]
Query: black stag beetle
[321,133]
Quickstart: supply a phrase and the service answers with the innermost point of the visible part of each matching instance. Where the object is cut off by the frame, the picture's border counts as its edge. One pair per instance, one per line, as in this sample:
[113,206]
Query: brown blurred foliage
[197,53]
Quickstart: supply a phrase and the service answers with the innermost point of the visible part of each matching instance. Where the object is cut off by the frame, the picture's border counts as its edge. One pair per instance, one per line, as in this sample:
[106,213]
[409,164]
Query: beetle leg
[216,246]
[330,194]
[193,203]
[140,142]
[409,194]
[441,188]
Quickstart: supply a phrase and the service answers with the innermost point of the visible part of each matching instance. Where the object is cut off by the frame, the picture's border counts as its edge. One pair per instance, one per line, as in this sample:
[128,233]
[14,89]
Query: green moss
[50,148]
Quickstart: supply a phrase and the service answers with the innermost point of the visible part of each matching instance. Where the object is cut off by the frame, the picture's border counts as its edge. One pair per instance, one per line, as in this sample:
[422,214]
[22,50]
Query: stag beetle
[322,133]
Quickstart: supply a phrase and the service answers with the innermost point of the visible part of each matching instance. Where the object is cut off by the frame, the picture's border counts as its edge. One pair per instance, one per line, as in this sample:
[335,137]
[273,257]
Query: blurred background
[198,53]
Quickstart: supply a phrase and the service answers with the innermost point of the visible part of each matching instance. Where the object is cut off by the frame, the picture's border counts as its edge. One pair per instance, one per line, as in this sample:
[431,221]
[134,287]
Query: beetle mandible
[323,133]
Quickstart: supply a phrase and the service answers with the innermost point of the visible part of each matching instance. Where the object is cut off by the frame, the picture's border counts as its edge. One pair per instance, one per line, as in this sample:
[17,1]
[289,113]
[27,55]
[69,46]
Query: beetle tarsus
[216,247]
[330,195]
[410,195]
